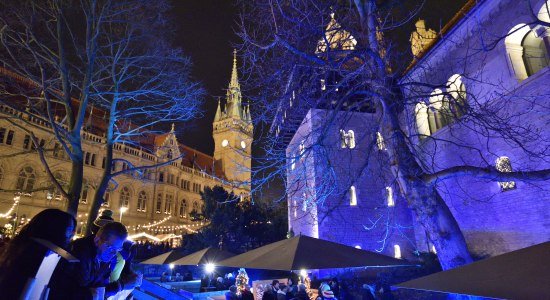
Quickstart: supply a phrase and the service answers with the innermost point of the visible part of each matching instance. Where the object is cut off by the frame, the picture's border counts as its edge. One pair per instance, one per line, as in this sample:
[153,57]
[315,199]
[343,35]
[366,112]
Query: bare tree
[143,83]
[48,53]
[296,63]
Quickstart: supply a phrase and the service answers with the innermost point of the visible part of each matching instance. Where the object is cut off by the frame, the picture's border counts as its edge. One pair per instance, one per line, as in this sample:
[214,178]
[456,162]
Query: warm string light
[157,223]
[10,211]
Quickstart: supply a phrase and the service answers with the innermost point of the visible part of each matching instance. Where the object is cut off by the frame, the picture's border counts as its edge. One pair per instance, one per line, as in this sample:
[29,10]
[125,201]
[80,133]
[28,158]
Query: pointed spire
[233,106]
[234,84]
[218,112]
[173,128]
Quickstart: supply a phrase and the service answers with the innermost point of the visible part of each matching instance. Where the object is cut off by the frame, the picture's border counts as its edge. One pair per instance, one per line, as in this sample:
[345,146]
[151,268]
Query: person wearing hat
[105,217]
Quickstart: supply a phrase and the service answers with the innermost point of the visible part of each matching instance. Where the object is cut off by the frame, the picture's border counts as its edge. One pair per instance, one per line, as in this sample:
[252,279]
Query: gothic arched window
[84,193]
[535,54]
[142,201]
[25,180]
[125,197]
[352,196]
[457,91]
[183,208]
[389,197]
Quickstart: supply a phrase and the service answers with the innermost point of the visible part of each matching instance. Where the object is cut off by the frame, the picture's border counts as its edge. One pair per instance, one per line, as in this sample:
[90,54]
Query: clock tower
[233,132]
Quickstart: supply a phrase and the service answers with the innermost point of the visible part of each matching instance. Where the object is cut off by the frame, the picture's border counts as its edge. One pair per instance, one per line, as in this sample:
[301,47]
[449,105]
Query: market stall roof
[165,258]
[303,252]
[520,274]
[204,256]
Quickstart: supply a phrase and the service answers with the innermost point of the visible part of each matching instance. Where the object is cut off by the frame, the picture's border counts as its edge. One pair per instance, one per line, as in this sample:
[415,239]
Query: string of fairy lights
[12,208]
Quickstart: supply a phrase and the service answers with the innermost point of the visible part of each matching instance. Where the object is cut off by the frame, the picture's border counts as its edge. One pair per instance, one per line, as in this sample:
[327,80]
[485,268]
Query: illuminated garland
[10,211]
[157,223]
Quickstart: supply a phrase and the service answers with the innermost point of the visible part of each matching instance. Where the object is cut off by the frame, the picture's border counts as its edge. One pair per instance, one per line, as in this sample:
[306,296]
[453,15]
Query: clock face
[243,144]
[225,143]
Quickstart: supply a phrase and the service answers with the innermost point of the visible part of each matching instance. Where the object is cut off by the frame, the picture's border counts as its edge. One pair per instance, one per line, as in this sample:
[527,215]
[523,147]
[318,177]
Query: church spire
[234,92]
[234,83]
[218,112]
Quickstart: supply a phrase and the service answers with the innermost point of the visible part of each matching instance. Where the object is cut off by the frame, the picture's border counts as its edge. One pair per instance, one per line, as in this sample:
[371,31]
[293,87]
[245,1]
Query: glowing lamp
[209,267]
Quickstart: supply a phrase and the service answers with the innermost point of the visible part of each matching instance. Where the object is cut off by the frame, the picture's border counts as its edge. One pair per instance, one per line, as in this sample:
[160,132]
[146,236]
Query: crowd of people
[104,266]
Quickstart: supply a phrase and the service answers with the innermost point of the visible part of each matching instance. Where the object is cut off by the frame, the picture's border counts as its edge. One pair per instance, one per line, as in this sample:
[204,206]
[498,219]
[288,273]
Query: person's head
[289,282]
[52,225]
[233,289]
[109,240]
[301,287]
[324,287]
[105,217]
[275,284]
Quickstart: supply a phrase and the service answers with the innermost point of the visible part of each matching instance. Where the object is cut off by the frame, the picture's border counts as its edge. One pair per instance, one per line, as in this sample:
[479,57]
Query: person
[292,289]
[335,287]
[246,294]
[367,292]
[164,277]
[232,293]
[22,256]
[301,294]
[281,292]
[325,292]
[270,292]
[92,272]
[105,217]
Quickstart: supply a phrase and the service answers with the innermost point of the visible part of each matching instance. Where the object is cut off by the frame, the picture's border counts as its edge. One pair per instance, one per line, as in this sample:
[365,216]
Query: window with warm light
[352,196]
[389,197]
[396,251]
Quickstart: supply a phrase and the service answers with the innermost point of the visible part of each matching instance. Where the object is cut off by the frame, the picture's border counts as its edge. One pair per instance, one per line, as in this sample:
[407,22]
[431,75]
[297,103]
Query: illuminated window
[347,139]
[323,85]
[304,202]
[124,197]
[352,196]
[158,205]
[142,201]
[396,251]
[25,180]
[168,204]
[84,193]
[457,91]
[380,141]
[433,249]
[389,197]
[183,208]
[421,118]
[295,208]
[504,165]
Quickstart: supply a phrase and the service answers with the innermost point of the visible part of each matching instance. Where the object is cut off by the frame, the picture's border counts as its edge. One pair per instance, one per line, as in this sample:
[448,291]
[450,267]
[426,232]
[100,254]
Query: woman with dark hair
[21,257]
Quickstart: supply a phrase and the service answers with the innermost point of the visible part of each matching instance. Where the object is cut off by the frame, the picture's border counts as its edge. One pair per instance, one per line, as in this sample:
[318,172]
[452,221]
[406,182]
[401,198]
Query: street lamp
[123,209]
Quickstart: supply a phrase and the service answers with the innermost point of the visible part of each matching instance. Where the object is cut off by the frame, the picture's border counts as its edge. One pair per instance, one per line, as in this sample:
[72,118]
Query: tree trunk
[101,189]
[430,209]
[77,175]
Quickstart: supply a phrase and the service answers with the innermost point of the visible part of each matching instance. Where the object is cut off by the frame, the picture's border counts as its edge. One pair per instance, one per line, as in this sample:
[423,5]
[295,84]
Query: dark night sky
[205,30]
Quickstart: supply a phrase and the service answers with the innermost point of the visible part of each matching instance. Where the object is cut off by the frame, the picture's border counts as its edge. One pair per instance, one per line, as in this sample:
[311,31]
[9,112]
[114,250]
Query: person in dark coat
[22,256]
[232,293]
[246,294]
[301,294]
[95,252]
[270,292]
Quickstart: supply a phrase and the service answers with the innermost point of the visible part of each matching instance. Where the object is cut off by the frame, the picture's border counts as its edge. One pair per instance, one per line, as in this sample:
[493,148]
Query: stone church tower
[233,132]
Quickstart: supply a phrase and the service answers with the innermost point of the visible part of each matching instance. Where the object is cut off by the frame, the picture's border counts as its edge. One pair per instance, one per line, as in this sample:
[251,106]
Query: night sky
[205,30]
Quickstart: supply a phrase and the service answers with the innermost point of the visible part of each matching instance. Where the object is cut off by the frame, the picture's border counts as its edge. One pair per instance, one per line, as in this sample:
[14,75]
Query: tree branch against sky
[280,39]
